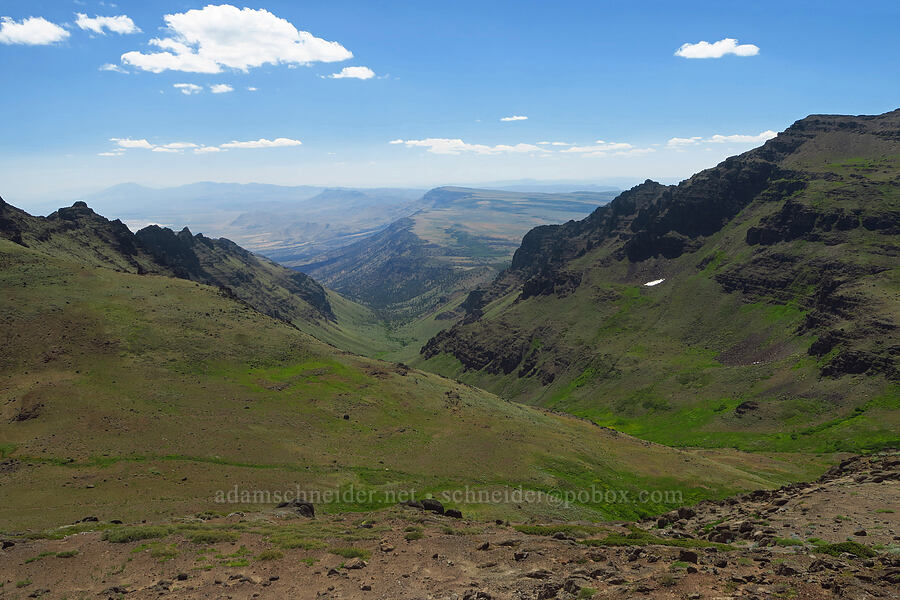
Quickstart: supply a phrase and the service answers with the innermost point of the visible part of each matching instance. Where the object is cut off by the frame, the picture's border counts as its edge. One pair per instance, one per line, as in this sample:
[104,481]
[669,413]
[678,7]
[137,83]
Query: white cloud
[515,118]
[221,88]
[33,31]
[120,24]
[188,89]
[679,142]
[354,73]
[716,49]
[251,89]
[601,148]
[112,67]
[130,143]
[263,143]
[743,139]
[215,37]
[178,145]
[123,144]
[457,146]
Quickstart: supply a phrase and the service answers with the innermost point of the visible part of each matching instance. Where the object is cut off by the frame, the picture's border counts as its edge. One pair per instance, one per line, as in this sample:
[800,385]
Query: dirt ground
[767,544]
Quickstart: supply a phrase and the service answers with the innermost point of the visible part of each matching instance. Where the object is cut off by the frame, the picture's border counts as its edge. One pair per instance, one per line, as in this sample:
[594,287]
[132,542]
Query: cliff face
[802,227]
[78,233]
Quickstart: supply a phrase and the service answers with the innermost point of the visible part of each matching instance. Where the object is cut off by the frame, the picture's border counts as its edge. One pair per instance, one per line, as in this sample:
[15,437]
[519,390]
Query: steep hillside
[127,396]
[81,234]
[461,238]
[754,304]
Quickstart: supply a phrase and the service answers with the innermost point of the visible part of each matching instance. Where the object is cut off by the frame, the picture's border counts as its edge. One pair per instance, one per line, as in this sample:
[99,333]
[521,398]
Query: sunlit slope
[129,396]
[775,325]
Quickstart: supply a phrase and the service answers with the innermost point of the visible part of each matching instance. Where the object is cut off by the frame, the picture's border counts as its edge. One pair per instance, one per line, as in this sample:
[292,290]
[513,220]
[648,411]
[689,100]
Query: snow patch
[654,282]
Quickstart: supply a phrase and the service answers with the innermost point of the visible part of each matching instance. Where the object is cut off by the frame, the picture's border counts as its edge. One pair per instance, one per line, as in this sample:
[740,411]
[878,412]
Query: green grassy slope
[774,330]
[140,396]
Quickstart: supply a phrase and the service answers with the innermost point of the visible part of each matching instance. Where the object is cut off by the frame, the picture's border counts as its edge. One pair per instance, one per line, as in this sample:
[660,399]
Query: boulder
[355,563]
[305,509]
[433,505]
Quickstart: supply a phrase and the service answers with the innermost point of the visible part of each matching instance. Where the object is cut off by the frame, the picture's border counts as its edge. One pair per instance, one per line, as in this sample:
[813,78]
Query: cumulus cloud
[251,89]
[263,143]
[33,31]
[716,49]
[130,143]
[210,39]
[354,73]
[680,142]
[120,24]
[515,118]
[188,89]
[743,139]
[112,67]
[221,88]
[457,146]
[602,148]
[123,144]
[178,145]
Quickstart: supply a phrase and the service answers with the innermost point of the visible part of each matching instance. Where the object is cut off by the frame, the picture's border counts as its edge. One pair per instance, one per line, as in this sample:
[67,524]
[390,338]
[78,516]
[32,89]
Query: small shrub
[212,537]
[854,548]
[39,557]
[586,593]
[351,552]
[292,540]
[270,555]
[241,562]
[413,535]
[122,535]
[67,554]
[787,542]
[163,553]
[23,583]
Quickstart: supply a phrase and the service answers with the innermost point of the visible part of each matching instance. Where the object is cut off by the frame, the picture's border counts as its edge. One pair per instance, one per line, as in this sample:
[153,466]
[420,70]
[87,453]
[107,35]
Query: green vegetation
[123,535]
[205,391]
[212,537]
[270,555]
[567,528]
[639,537]
[849,547]
[787,542]
[350,552]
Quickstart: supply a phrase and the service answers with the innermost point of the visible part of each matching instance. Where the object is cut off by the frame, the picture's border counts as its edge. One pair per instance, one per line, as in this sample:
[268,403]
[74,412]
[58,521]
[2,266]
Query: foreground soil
[833,538]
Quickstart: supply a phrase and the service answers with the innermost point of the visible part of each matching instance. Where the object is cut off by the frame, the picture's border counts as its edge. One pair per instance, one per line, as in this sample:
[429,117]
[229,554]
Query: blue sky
[602,77]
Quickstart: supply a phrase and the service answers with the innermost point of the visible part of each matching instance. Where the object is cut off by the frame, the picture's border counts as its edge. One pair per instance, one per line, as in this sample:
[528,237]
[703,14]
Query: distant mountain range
[459,238]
